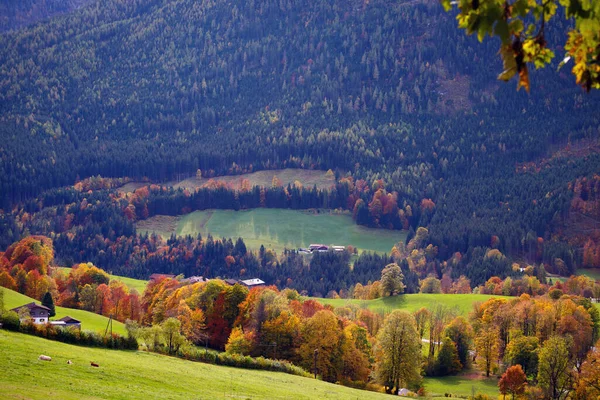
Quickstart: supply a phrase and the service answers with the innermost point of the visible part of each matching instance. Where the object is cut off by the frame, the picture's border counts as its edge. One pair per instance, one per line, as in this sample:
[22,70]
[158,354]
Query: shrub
[10,320]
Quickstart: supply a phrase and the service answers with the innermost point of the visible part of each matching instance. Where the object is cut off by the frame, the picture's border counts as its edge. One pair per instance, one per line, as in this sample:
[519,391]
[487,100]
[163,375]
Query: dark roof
[231,281]
[69,320]
[31,306]
[154,277]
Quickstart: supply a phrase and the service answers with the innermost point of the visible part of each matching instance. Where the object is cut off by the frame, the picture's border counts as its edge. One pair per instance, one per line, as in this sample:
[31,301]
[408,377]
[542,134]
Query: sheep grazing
[44,358]
[94,364]
[69,362]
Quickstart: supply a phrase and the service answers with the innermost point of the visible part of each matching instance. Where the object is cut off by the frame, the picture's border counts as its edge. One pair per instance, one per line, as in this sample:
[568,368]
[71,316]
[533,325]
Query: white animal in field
[44,358]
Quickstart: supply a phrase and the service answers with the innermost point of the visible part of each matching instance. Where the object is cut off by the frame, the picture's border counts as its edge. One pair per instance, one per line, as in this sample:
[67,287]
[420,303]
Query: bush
[10,321]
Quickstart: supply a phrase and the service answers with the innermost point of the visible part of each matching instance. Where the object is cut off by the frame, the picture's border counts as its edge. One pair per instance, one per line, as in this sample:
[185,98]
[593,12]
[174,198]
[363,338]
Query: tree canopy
[522,27]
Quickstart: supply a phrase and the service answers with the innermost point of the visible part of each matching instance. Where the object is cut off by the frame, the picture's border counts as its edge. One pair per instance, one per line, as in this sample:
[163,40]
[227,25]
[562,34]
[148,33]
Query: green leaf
[515,26]
[501,30]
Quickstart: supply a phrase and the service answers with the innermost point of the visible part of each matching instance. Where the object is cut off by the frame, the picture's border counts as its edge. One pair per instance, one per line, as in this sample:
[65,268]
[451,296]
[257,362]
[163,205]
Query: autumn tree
[171,335]
[447,361]
[431,285]
[486,343]
[588,383]
[554,371]
[239,342]
[321,332]
[461,334]
[521,27]
[398,352]
[392,280]
[523,350]
[513,381]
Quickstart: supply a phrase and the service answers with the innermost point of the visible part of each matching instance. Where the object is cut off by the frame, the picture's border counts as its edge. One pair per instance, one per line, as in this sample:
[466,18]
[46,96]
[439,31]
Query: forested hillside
[379,90]
[15,14]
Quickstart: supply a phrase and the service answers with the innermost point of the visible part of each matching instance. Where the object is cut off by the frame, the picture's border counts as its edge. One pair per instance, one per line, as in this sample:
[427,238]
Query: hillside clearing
[412,302]
[142,375]
[279,228]
[89,320]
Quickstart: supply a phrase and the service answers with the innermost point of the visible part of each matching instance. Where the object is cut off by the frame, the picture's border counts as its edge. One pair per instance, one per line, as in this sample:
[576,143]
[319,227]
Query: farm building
[318,247]
[38,313]
[251,283]
[67,321]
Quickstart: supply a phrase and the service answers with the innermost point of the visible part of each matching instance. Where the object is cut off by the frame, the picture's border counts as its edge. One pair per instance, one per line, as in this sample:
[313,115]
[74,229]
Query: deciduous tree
[398,352]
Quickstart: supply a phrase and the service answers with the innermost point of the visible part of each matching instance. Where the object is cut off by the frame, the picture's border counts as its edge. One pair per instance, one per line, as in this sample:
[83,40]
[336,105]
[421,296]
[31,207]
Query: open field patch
[141,375]
[278,229]
[412,302]
[461,385]
[89,320]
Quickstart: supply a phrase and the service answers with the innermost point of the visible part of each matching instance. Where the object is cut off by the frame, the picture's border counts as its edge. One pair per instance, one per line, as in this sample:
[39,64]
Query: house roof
[69,320]
[32,306]
[253,282]
[231,281]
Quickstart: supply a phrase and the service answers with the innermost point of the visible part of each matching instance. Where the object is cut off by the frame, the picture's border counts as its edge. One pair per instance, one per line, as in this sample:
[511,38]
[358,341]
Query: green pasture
[89,320]
[463,386]
[142,375]
[412,302]
[278,229]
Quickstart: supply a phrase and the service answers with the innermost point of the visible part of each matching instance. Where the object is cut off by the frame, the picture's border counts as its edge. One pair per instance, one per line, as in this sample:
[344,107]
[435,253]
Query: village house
[251,283]
[38,313]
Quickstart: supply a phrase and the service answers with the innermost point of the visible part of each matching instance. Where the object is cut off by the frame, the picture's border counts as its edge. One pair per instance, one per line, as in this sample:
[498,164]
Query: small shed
[70,321]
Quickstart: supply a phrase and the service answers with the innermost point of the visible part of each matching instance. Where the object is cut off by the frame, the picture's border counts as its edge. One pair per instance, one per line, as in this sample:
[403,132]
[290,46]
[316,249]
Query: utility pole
[315,354]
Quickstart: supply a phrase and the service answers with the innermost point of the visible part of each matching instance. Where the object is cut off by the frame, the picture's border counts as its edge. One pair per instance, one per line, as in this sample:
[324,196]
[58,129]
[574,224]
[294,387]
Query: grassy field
[136,284]
[412,302]
[278,229]
[89,321]
[141,375]
[461,385]
[593,273]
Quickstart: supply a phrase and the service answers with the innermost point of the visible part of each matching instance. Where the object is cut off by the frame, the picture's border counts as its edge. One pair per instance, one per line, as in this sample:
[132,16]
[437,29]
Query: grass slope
[141,375]
[278,229]
[137,284]
[412,302]
[89,320]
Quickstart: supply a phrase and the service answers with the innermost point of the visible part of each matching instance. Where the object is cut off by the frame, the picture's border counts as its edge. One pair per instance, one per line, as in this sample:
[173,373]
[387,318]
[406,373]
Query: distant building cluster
[249,283]
[320,248]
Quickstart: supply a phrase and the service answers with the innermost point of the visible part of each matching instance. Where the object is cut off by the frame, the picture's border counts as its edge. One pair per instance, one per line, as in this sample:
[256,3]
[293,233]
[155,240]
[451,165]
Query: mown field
[141,375]
[278,229]
[412,302]
[89,321]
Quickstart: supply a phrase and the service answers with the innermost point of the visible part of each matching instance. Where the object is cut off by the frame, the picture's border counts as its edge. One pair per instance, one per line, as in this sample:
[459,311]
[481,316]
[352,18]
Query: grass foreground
[142,375]
[89,320]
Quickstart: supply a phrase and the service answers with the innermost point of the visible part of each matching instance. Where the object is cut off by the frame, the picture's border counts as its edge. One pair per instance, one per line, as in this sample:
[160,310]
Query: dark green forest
[381,91]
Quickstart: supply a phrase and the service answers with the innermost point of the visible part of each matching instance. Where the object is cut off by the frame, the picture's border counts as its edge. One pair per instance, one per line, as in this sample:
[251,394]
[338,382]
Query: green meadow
[412,302]
[89,320]
[142,375]
[278,229]
[137,284]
